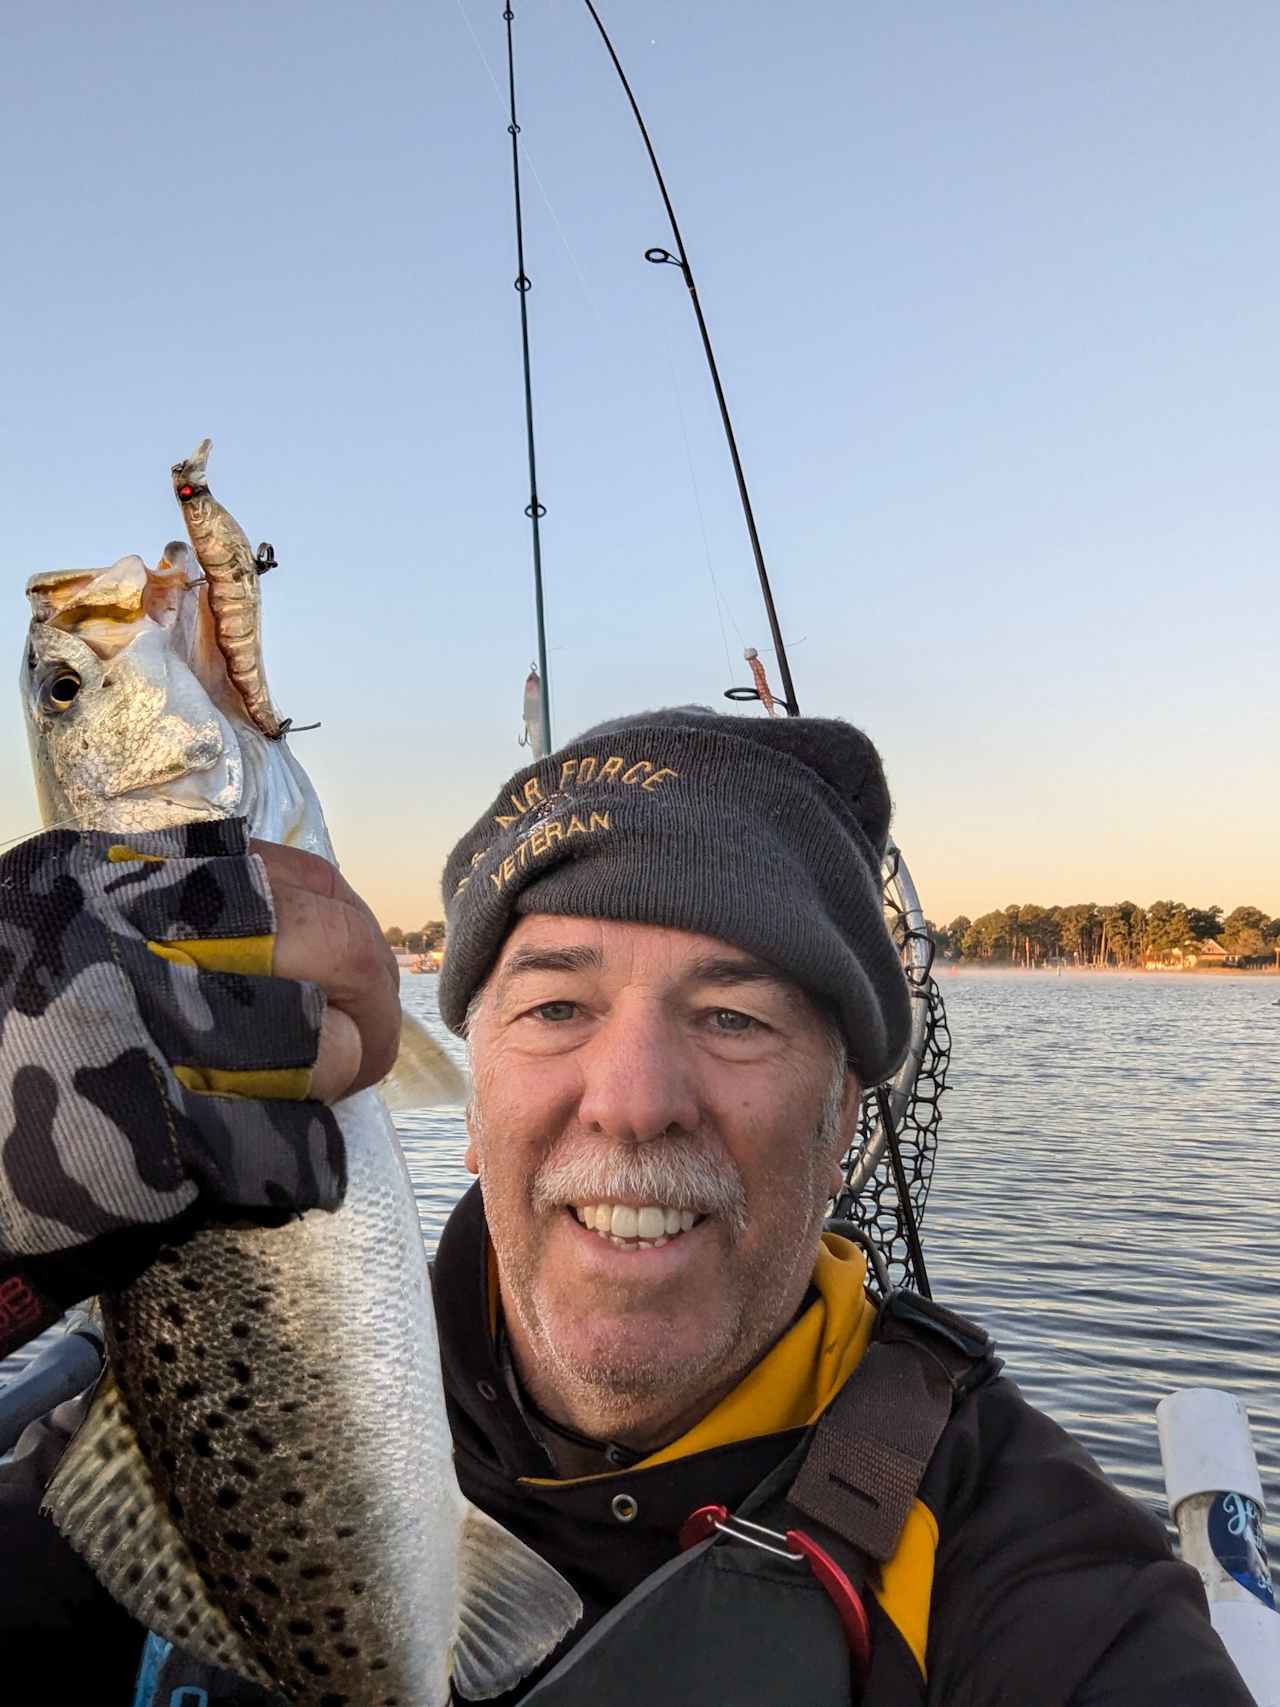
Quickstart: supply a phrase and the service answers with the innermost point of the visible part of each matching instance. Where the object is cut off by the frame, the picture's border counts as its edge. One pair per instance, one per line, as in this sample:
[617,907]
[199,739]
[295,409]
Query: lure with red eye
[235,599]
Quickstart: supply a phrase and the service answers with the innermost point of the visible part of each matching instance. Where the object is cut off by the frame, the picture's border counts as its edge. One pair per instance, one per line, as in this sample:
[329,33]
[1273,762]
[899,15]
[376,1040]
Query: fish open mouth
[629,1227]
[132,719]
[108,609]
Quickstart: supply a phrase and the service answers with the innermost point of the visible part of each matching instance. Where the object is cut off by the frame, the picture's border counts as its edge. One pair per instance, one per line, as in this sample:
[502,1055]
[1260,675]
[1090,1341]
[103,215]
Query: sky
[993,291]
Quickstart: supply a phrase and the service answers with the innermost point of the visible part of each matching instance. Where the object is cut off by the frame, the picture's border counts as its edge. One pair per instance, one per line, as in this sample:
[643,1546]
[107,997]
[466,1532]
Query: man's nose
[638,1080]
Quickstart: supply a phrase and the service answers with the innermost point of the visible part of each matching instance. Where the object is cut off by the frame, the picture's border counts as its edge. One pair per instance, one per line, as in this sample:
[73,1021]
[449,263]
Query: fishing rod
[535,510]
[664,257]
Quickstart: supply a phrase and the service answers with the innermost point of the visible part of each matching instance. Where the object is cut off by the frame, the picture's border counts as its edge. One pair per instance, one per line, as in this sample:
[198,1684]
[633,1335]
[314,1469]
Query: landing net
[870,1198]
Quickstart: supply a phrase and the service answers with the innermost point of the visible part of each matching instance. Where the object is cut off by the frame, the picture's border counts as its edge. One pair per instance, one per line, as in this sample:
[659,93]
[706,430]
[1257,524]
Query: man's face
[656,1121]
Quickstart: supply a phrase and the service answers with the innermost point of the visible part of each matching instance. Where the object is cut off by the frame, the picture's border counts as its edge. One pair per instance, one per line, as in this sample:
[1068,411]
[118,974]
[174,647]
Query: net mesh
[870,1199]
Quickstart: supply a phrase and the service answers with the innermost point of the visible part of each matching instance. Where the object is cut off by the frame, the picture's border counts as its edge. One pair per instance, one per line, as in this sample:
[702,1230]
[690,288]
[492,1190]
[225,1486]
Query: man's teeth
[634,1229]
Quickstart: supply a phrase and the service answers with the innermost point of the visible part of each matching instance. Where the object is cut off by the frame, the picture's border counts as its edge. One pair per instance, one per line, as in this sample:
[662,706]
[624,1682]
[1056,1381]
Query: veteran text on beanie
[767,834]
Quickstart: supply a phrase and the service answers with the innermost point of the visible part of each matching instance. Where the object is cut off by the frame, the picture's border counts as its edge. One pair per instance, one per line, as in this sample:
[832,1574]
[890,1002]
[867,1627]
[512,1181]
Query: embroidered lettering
[589,769]
[541,840]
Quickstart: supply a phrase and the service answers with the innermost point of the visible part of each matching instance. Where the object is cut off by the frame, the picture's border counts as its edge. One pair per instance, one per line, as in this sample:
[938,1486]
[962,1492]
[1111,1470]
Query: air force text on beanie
[767,834]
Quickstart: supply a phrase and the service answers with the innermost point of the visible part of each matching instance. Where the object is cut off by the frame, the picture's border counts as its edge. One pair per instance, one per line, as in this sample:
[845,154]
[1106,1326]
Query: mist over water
[1106,1199]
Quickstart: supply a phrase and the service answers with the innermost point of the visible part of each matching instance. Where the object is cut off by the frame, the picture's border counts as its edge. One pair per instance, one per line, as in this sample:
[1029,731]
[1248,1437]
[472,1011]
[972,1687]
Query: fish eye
[59,691]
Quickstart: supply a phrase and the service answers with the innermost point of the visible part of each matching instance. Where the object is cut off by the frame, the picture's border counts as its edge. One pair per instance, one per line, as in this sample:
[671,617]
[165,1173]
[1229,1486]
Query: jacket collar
[787,1389]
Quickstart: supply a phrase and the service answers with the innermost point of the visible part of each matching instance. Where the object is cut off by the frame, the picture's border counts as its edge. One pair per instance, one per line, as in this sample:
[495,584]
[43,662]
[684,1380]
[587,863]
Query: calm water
[1106,1197]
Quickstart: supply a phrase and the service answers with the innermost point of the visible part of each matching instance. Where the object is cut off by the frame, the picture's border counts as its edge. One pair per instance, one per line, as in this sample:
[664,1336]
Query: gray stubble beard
[680,1173]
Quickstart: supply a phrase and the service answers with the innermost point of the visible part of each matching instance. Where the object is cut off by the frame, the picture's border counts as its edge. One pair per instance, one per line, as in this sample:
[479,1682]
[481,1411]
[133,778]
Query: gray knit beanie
[766,833]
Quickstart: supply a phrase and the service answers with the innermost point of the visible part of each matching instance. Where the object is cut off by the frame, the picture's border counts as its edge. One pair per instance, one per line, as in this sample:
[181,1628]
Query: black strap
[872,1446]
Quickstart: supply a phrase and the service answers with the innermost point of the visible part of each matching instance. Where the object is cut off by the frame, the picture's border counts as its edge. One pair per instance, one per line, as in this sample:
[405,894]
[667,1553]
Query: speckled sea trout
[265,1473]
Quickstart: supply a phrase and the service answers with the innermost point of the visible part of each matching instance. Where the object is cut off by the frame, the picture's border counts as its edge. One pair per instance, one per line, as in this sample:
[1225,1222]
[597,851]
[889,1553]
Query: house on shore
[1208,952]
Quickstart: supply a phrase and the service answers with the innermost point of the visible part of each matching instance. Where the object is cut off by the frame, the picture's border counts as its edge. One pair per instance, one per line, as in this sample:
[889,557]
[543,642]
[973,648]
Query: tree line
[421,941]
[1120,935]
[1083,933]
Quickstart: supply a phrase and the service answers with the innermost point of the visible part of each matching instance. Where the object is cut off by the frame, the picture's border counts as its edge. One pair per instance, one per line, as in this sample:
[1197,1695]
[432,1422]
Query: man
[667,951]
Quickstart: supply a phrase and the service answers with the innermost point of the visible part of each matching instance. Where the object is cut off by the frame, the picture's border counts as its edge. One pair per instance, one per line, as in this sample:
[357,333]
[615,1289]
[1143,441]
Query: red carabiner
[847,1600]
[703,1523]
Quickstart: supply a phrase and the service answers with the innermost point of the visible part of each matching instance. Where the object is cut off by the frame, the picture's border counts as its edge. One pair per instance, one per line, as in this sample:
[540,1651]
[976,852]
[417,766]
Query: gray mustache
[669,1172]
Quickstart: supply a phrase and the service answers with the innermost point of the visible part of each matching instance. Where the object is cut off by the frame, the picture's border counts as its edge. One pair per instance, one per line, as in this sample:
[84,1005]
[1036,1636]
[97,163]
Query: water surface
[1106,1198]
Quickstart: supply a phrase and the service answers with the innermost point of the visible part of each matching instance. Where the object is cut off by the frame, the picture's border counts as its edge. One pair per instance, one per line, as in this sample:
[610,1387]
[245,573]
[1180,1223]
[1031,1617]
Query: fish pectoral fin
[424,1075]
[105,1500]
[513,1609]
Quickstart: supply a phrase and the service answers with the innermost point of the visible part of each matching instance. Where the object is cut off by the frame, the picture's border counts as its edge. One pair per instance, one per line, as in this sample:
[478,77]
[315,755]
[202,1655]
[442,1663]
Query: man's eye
[555,1012]
[732,1023]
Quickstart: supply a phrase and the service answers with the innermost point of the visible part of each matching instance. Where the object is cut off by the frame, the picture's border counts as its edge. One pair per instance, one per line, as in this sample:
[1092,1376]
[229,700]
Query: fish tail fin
[423,1075]
[514,1609]
[107,1504]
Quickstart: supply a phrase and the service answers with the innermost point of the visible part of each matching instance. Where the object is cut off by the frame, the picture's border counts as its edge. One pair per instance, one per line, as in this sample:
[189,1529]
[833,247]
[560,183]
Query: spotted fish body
[284,1388]
[265,1474]
[235,595]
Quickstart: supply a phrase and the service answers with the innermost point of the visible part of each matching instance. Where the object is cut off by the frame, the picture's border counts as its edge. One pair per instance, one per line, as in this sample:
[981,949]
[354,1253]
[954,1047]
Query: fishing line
[532,164]
[702,526]
[722,605]
[608,333]
[29,835]
[662,257]
[590,300]
[535,510]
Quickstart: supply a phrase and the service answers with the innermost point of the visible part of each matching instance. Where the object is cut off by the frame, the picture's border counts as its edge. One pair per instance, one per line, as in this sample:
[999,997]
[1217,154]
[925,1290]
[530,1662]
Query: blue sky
[993,291]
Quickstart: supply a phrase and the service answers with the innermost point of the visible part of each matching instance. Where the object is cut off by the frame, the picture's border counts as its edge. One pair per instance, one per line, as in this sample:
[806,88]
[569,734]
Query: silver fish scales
[265,1474]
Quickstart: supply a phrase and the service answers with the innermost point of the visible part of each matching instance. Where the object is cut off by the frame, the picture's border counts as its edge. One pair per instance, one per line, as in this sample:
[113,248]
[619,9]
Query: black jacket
[1025,1579]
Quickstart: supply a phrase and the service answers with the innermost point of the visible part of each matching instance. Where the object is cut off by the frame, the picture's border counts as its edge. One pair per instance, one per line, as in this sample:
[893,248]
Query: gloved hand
[151,1072]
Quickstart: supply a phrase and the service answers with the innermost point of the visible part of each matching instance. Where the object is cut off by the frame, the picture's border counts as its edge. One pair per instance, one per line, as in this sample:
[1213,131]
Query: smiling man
[654,1217]
[667,952]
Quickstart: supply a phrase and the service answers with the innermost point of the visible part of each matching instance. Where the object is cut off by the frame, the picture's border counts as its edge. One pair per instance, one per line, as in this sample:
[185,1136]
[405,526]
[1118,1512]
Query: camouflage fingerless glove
[150,1070]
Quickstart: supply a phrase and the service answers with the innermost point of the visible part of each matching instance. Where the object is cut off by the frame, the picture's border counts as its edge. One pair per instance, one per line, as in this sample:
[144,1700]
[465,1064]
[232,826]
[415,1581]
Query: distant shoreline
[1047,969]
